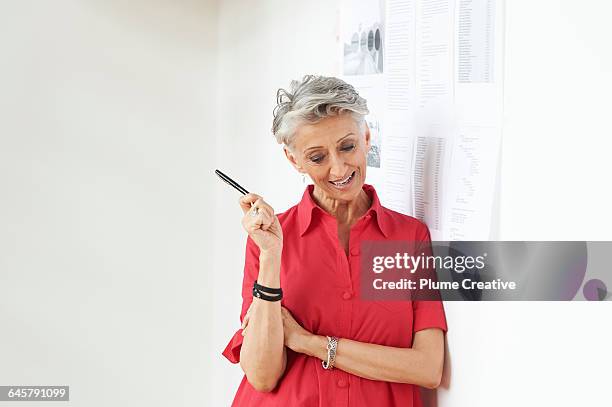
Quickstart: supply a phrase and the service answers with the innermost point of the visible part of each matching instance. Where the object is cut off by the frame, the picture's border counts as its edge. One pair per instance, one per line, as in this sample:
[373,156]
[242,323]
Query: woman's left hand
[295,335]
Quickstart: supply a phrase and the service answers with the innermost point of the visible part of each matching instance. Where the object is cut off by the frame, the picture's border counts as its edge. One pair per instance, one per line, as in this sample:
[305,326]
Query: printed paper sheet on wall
[432,72]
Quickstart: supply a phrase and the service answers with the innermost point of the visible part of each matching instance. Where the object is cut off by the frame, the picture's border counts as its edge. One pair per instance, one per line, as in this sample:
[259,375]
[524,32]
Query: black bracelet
[261,291]
[267,289]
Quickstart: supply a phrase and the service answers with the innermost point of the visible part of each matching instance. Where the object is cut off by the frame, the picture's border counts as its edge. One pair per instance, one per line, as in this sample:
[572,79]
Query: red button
[342,383]
[355,251]
[347,295]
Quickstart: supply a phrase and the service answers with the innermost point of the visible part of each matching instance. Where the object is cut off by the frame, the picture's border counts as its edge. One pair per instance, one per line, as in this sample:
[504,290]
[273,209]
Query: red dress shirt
[320,289]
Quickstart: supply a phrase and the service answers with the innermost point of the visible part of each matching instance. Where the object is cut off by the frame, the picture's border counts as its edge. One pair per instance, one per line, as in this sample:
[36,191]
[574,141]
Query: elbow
[434,378]
[260,380]
[262,385]
[433,382]
[263,379]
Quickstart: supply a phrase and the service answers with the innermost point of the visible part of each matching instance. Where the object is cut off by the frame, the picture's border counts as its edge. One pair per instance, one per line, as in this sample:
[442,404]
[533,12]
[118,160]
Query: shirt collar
[307,206]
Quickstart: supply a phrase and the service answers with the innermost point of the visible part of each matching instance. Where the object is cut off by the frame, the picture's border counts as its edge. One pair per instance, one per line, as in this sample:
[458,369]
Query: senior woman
[307,339]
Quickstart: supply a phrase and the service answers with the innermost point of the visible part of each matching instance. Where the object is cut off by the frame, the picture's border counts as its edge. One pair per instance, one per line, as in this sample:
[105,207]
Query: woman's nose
[338,167]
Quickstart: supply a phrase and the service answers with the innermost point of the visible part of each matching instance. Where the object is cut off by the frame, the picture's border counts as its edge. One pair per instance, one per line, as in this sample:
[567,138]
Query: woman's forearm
[378,362]
[262,355]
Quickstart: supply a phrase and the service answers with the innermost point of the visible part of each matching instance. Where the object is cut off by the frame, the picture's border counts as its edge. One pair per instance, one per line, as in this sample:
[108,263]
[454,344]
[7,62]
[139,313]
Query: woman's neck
[345,212]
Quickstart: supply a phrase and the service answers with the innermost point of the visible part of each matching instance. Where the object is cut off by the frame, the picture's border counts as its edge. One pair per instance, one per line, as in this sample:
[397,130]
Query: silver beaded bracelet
[332,345]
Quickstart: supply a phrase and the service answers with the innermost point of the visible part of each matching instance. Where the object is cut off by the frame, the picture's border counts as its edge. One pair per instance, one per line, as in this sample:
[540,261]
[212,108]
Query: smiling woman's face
[333,153]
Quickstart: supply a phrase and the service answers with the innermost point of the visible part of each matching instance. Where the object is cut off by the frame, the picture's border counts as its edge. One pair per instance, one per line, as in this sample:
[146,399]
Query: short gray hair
[311,100]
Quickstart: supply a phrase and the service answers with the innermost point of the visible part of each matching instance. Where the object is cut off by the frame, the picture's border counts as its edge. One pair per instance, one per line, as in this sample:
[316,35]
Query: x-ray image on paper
[363,37]
[373,159]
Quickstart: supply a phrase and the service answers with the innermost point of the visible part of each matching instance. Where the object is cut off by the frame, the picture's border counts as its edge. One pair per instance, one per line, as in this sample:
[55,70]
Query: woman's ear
[293,160]
[367,136]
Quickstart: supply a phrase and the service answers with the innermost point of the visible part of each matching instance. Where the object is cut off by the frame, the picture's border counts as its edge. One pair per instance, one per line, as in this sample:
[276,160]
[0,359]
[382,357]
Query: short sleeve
[430,313]
[251,270]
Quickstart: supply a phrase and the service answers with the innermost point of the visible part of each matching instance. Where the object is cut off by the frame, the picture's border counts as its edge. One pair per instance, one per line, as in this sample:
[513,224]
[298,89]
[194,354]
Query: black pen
[231,182]
[236,185]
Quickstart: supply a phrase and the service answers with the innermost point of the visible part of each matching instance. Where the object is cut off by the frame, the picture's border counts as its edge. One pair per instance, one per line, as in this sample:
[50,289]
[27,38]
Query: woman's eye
[316,158]
[348,147]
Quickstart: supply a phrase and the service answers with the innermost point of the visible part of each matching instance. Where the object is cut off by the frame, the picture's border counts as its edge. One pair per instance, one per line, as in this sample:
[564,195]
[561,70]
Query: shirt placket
[341,378]
[337,392]
[346,266]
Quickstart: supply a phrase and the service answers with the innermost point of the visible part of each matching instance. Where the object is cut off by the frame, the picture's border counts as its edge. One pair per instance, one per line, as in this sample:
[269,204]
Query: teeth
[346,181]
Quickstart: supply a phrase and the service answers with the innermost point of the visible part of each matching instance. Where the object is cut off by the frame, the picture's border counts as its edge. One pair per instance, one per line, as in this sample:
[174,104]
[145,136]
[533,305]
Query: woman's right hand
[264,228]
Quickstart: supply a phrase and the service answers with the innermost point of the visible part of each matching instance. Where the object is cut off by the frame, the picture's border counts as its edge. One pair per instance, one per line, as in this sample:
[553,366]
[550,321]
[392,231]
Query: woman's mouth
[343,184]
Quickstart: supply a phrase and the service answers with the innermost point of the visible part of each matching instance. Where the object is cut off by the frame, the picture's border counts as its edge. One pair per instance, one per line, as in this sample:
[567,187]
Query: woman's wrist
[314,345]
[271,255]
[269,269]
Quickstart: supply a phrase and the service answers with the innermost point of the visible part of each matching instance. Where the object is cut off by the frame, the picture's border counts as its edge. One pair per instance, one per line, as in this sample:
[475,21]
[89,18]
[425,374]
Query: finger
[256,208]
[264,205]
[247,314]
[268,221]
[259,219]
[261,205]
[269,211]
[247,317]
[252,221]
[262,219]
[254,212]
[245,321]
[246,201]
[260,209]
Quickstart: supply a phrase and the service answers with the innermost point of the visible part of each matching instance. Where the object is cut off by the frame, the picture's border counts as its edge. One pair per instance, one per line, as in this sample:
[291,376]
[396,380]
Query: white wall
[557,139]
[106,124]
[553,187]
[260,49]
